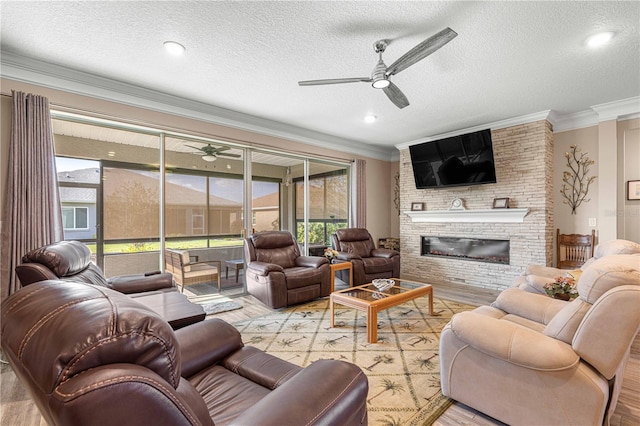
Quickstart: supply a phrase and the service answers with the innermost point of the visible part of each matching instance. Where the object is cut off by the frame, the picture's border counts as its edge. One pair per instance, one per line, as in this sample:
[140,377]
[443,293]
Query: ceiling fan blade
[229,155]
[222,148]
[334,81]
[396,96]
[194,147]
[421,51]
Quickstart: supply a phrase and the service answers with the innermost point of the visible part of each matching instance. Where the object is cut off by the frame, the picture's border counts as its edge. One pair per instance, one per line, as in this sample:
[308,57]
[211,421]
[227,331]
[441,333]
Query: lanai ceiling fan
[381,73]
[211,153]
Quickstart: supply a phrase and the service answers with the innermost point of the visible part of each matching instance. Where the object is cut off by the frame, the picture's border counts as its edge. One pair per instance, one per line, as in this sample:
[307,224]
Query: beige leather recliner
[535,277]
[532,360]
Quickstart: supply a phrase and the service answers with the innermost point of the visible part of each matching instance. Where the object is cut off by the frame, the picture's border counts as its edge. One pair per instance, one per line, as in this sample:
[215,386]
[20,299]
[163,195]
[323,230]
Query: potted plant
[563,288]
[330,254]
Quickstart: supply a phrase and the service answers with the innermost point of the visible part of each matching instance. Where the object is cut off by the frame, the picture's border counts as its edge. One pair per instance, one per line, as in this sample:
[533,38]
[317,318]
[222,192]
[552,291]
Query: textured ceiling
[510,58]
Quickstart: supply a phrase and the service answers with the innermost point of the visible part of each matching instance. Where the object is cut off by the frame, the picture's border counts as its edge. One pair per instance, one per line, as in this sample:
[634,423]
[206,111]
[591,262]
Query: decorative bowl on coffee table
[383,284]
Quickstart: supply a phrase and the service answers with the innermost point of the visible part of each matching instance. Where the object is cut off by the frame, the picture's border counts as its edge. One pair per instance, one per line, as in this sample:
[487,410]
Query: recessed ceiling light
[370,118]
[174,48]
[599,39]
[111,154]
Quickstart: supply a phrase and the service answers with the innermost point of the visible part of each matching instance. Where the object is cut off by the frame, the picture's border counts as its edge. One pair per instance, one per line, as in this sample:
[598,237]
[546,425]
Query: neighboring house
[79,212]
[131,208]
[266,212]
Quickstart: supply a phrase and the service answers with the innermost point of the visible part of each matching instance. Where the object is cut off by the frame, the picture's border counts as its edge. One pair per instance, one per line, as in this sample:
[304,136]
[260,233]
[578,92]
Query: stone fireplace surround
[524,165]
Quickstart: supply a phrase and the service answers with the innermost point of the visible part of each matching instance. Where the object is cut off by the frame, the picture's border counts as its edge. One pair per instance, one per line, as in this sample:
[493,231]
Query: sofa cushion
[616,247]
[64,258]
[606,273]
[115,329]
[563,326]
[185,261]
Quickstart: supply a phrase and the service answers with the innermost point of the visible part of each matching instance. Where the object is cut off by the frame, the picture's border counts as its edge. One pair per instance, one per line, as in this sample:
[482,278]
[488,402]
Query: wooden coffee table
[367,298]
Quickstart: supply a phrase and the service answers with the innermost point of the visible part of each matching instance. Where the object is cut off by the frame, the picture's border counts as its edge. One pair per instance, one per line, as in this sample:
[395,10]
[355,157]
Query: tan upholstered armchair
[278,275]
[533,360]
[178,263]
[356,245]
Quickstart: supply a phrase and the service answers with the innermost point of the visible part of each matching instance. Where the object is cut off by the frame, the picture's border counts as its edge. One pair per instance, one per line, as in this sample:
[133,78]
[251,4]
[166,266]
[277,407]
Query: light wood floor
[17,409]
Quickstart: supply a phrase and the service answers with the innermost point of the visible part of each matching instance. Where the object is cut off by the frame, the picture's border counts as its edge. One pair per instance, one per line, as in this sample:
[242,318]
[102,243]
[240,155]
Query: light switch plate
[592,222]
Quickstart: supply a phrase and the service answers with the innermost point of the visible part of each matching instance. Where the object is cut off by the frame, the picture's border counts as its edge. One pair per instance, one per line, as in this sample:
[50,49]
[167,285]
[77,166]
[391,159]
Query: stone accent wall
[524,172]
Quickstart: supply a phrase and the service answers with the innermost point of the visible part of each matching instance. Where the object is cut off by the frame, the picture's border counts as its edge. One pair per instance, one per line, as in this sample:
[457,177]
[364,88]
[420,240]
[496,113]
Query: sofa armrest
[343,255]
[311,261]
[218,263]
[535,307]
[206,343]
[337,391]
[544,271]
[29,273]
[260,367]
[263,268]
[513,343]
[382,252]
[139,283]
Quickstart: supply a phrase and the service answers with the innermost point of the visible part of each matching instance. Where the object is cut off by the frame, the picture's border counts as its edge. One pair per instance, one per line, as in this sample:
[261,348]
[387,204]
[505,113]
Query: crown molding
[578,120]
[624,109]
[502,124]
[40,73]
[617,110]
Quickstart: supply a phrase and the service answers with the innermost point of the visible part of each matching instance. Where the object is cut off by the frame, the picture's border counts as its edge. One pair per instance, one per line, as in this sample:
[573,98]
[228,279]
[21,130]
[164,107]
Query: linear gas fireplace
[480,250]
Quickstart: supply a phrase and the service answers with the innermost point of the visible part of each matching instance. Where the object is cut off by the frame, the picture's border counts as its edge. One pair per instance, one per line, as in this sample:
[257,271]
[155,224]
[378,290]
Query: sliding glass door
[131,193]
[203,212]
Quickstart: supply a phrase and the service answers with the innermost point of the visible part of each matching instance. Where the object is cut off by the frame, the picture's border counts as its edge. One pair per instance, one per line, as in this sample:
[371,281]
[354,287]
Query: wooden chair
[185,272]
[573,250]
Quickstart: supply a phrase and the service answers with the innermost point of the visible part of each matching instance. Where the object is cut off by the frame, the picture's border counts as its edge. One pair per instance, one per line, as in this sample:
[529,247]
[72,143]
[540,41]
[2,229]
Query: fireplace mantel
[487,215]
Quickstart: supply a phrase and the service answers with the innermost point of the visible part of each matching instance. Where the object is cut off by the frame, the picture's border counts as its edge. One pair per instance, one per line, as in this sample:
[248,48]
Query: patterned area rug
[403,367]
[219,307]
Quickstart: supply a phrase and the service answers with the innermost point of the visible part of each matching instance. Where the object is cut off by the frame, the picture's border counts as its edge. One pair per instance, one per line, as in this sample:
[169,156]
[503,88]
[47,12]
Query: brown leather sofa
[278,275]
[369,263]
[92,356]
[529,359]
[71,261]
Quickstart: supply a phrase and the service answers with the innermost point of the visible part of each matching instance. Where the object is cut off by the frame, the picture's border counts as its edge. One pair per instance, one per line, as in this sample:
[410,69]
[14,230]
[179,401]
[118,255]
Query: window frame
[75,218]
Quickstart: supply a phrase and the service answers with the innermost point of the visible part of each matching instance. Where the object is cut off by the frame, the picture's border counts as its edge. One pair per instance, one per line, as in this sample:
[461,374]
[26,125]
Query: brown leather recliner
[90,355]
[71,261]
[278,275]
[369,263]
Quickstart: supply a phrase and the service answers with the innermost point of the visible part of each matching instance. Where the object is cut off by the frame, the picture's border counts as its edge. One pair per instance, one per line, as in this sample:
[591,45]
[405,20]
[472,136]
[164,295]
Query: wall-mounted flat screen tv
[456,161]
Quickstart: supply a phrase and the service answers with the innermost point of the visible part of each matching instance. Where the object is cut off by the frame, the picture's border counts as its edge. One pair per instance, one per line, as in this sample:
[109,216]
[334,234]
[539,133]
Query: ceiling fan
[211,153]
[381,73]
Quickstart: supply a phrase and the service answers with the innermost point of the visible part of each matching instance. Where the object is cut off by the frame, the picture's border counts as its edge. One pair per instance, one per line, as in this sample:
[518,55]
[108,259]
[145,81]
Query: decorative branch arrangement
[576,181]
[396,192]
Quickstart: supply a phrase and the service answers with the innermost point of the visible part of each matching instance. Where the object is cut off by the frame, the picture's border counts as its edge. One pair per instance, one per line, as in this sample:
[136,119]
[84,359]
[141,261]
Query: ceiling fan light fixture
[209,158]
[379,76]
[380,83]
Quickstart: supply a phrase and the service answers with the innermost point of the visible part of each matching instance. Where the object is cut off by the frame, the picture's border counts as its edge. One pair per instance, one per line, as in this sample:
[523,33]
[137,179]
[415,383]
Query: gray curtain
[31,213]
[359,194]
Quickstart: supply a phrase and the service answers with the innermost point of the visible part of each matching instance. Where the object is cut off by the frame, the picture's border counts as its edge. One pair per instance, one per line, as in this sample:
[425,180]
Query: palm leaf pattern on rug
[402,367]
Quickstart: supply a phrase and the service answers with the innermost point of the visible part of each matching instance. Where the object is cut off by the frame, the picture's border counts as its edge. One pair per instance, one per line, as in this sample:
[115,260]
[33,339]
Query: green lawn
[184,245]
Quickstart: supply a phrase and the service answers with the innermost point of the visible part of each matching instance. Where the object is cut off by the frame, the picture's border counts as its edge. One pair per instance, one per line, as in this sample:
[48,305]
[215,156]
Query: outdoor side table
[236,265]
